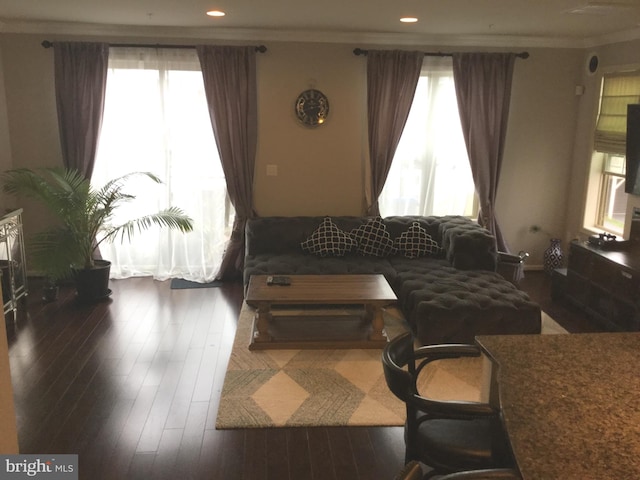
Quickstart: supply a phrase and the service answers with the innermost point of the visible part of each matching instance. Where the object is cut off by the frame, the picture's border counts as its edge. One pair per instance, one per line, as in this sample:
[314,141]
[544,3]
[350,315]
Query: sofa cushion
[328,240]
[446,305]
[398,224]
[411,274]
[373,239]
[416,242]
[285,234]
[467,245]
[305,264]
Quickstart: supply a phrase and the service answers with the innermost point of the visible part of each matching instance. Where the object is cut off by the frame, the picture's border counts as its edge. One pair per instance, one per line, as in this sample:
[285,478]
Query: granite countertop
[571,403]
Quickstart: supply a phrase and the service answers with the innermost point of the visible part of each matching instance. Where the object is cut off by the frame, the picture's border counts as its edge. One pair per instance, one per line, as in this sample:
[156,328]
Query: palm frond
[51,253]
[83,213]
[172,217]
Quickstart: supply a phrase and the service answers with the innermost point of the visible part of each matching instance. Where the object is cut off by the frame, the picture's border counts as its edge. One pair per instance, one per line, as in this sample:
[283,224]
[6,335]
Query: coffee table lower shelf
[328,329]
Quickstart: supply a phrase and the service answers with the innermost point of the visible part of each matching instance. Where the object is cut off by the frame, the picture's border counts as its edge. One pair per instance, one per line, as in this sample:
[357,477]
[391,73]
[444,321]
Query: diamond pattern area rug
[295,388]
[277,388]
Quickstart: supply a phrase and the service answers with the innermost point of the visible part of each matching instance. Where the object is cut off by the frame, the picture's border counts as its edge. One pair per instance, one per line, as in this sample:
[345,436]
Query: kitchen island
[570,403]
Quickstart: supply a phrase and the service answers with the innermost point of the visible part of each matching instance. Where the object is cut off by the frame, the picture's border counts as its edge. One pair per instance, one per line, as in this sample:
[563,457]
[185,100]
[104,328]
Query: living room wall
[319,168]
[5,145]
[321,171]
[538,150]
[613,57]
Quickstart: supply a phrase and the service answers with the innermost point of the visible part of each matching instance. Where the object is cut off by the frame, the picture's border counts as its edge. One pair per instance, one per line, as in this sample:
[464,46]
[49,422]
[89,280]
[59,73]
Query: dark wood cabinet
[605,284]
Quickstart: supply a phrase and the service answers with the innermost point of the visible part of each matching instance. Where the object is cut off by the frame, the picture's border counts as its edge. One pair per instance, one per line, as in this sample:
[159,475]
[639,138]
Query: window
[156,119]
[606,193]
[430,173]
[612,203]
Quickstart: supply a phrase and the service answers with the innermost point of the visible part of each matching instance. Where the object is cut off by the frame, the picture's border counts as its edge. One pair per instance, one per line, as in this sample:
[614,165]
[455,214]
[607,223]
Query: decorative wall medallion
[312,108]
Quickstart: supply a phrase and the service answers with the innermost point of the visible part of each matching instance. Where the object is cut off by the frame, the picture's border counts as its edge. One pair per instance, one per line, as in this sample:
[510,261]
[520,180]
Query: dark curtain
[80,85]
[230,85]
[392,77]
[483,89]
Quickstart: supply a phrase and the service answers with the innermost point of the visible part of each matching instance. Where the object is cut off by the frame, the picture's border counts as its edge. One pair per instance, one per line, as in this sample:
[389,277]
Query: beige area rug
[295,388]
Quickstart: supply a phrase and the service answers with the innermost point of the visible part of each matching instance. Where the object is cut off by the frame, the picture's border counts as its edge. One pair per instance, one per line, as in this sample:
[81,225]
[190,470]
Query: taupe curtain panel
[392,77]
[230,85]
[483,90]
[80,84]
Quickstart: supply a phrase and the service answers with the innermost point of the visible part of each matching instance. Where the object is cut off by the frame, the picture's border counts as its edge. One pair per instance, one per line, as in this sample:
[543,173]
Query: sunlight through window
[156,119]
[430,173]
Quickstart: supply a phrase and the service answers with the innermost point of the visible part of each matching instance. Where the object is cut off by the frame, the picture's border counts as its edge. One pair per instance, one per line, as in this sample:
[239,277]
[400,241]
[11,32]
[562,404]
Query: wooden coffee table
[319,311]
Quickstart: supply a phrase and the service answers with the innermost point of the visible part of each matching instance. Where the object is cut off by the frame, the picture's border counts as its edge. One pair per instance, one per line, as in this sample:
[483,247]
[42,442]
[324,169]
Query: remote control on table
[278,280]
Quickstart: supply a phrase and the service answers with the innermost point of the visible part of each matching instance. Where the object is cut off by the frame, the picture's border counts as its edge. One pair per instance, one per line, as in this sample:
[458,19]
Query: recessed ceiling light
[408,19]
[216,13]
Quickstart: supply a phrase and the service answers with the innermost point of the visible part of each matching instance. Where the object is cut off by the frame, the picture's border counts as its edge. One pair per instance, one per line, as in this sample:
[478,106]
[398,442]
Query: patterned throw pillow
[416,242]
[328,240]
[373,239]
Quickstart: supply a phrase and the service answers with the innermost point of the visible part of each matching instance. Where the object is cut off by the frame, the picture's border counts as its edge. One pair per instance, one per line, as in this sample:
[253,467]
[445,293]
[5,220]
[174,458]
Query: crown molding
[279,35]
[618,37]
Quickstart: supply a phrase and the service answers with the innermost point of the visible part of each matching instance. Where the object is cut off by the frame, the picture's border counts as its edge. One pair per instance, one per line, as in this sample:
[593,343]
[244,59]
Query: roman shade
[618,91]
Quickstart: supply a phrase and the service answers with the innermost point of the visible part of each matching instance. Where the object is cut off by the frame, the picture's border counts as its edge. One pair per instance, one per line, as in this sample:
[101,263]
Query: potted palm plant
[85,219]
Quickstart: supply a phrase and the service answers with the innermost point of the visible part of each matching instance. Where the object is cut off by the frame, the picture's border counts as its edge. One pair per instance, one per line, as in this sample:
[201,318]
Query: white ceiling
[488,22]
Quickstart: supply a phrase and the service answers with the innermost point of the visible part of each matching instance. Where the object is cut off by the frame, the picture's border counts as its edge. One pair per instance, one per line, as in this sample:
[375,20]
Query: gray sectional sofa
[447,288]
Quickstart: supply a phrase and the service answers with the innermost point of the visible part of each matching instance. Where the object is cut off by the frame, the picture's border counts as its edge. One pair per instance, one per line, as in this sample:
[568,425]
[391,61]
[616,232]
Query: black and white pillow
[416,242]
[328,240]
[373,239]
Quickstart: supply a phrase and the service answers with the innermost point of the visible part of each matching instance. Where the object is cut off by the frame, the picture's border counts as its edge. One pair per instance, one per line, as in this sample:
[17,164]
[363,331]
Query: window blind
[618,91]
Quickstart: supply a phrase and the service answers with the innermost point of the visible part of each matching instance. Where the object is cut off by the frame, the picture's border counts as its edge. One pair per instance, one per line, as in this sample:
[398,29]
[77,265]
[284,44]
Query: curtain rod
[48,44]
[360,51]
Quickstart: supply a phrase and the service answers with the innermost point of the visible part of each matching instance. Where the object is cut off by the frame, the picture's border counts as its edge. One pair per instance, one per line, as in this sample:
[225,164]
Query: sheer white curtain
[430,173]
[156,120]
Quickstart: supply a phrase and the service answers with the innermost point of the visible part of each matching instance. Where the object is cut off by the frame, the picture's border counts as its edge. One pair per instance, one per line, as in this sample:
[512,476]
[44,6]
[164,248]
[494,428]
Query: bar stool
[411,471]
[448,436]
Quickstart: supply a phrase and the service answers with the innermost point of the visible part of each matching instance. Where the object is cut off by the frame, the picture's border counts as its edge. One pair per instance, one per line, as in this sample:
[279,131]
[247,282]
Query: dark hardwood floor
[538,285]
[131,385]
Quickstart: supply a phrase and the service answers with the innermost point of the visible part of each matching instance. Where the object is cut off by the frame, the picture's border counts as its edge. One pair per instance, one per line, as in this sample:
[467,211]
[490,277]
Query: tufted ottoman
[453,306]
